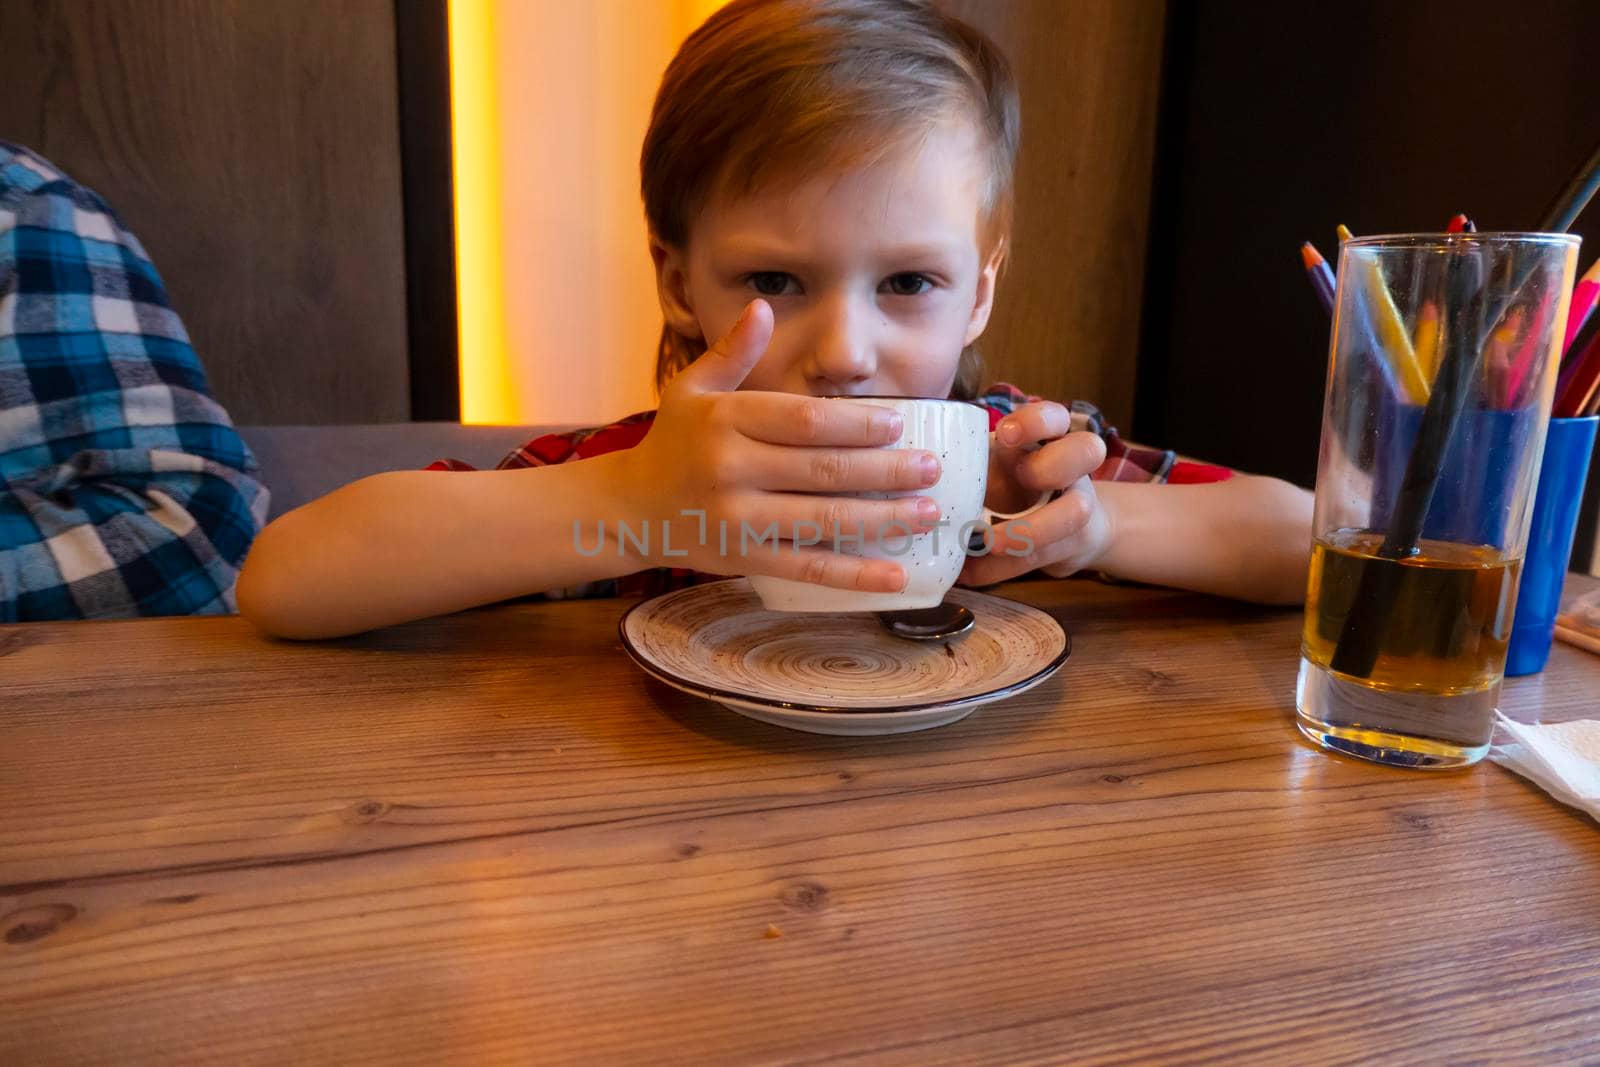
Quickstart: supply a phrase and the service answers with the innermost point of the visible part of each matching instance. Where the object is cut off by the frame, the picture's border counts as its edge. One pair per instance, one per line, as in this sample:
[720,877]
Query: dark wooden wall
[1066,318]
[254,148]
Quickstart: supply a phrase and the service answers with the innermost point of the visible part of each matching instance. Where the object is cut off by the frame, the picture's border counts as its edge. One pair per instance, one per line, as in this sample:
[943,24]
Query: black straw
[1362,637]
[1567,206]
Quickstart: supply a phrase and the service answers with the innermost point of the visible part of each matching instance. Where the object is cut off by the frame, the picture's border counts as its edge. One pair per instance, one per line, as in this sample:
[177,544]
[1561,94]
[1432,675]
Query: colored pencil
[1583,301]
[1581,385]
[1577,638]
[1394,344]
[1323,283]
[1527,353]
[1427,339]
[1499,359]
[1320,275]
[1580,344]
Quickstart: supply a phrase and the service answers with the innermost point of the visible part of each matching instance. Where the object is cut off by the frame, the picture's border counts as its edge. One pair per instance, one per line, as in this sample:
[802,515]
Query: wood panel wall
[253,147]
[1066,320]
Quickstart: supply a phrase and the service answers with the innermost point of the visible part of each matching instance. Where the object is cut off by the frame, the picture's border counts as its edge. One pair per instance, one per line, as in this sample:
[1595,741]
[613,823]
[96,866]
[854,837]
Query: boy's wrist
[616,497]
[574,509]
[1112,520]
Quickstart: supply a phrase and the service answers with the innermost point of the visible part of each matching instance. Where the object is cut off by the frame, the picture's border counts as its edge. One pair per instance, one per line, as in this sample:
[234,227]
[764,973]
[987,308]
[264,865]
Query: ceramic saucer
[838,673]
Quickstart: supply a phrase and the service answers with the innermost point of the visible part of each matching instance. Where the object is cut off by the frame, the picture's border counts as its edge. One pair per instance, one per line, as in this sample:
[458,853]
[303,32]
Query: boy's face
[874,275]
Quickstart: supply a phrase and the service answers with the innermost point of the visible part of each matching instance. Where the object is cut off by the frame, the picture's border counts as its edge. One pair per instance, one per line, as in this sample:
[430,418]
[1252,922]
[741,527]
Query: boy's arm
[412,544]
[1248,537]
[1140,514]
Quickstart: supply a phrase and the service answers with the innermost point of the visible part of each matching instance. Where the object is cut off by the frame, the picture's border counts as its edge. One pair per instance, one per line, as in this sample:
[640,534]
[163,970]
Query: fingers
[725,364]
[816,565]
[835,470]
[797,517]
[1061,462]
[1053,535]
[1038,421]
[1051,527]
[789,419]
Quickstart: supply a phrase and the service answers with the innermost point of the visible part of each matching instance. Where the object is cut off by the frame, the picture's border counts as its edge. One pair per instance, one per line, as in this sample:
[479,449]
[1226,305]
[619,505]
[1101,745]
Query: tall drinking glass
[1442,369]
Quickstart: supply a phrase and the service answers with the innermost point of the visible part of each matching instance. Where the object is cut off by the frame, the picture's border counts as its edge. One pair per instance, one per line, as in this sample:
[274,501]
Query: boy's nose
[844,360]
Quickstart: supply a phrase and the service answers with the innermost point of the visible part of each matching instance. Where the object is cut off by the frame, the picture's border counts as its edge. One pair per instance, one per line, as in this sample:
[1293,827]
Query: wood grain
[488,838]
[1066,317]
[253,148]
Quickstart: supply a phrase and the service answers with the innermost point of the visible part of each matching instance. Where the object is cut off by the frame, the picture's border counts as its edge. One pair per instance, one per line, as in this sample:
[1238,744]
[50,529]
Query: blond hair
[770,85]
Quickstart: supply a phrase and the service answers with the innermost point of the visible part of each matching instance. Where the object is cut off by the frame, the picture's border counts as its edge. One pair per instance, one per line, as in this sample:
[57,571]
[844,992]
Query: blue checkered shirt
[124,489]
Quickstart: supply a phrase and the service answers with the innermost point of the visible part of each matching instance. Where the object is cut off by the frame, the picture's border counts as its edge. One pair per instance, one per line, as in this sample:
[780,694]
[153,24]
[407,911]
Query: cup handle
[995,518]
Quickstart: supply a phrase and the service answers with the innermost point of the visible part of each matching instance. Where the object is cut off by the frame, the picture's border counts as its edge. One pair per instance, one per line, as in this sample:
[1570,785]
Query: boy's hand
[1068,534]
[751,459]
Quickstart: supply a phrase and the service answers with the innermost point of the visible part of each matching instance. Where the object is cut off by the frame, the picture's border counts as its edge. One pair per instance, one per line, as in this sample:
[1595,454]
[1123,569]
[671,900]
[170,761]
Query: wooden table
[490,838]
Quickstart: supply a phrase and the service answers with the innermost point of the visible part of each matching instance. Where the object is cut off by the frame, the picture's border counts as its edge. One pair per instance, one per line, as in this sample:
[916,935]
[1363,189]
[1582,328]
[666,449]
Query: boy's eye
[770,282]
[909,283]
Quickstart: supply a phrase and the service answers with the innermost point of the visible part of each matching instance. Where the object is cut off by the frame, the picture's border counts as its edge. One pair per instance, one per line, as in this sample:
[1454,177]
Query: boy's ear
[672,288]
[983,302]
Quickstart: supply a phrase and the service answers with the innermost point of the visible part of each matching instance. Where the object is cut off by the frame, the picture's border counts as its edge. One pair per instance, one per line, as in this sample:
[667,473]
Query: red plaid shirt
[1125,462]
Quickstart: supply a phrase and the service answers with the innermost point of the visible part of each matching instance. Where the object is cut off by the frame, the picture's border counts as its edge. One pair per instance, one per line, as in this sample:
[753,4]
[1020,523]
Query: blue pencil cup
[1471,503]
[1555,520]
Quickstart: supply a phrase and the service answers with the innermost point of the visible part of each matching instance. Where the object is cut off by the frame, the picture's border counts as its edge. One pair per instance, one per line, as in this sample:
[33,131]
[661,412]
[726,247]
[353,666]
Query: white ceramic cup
[958,434]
